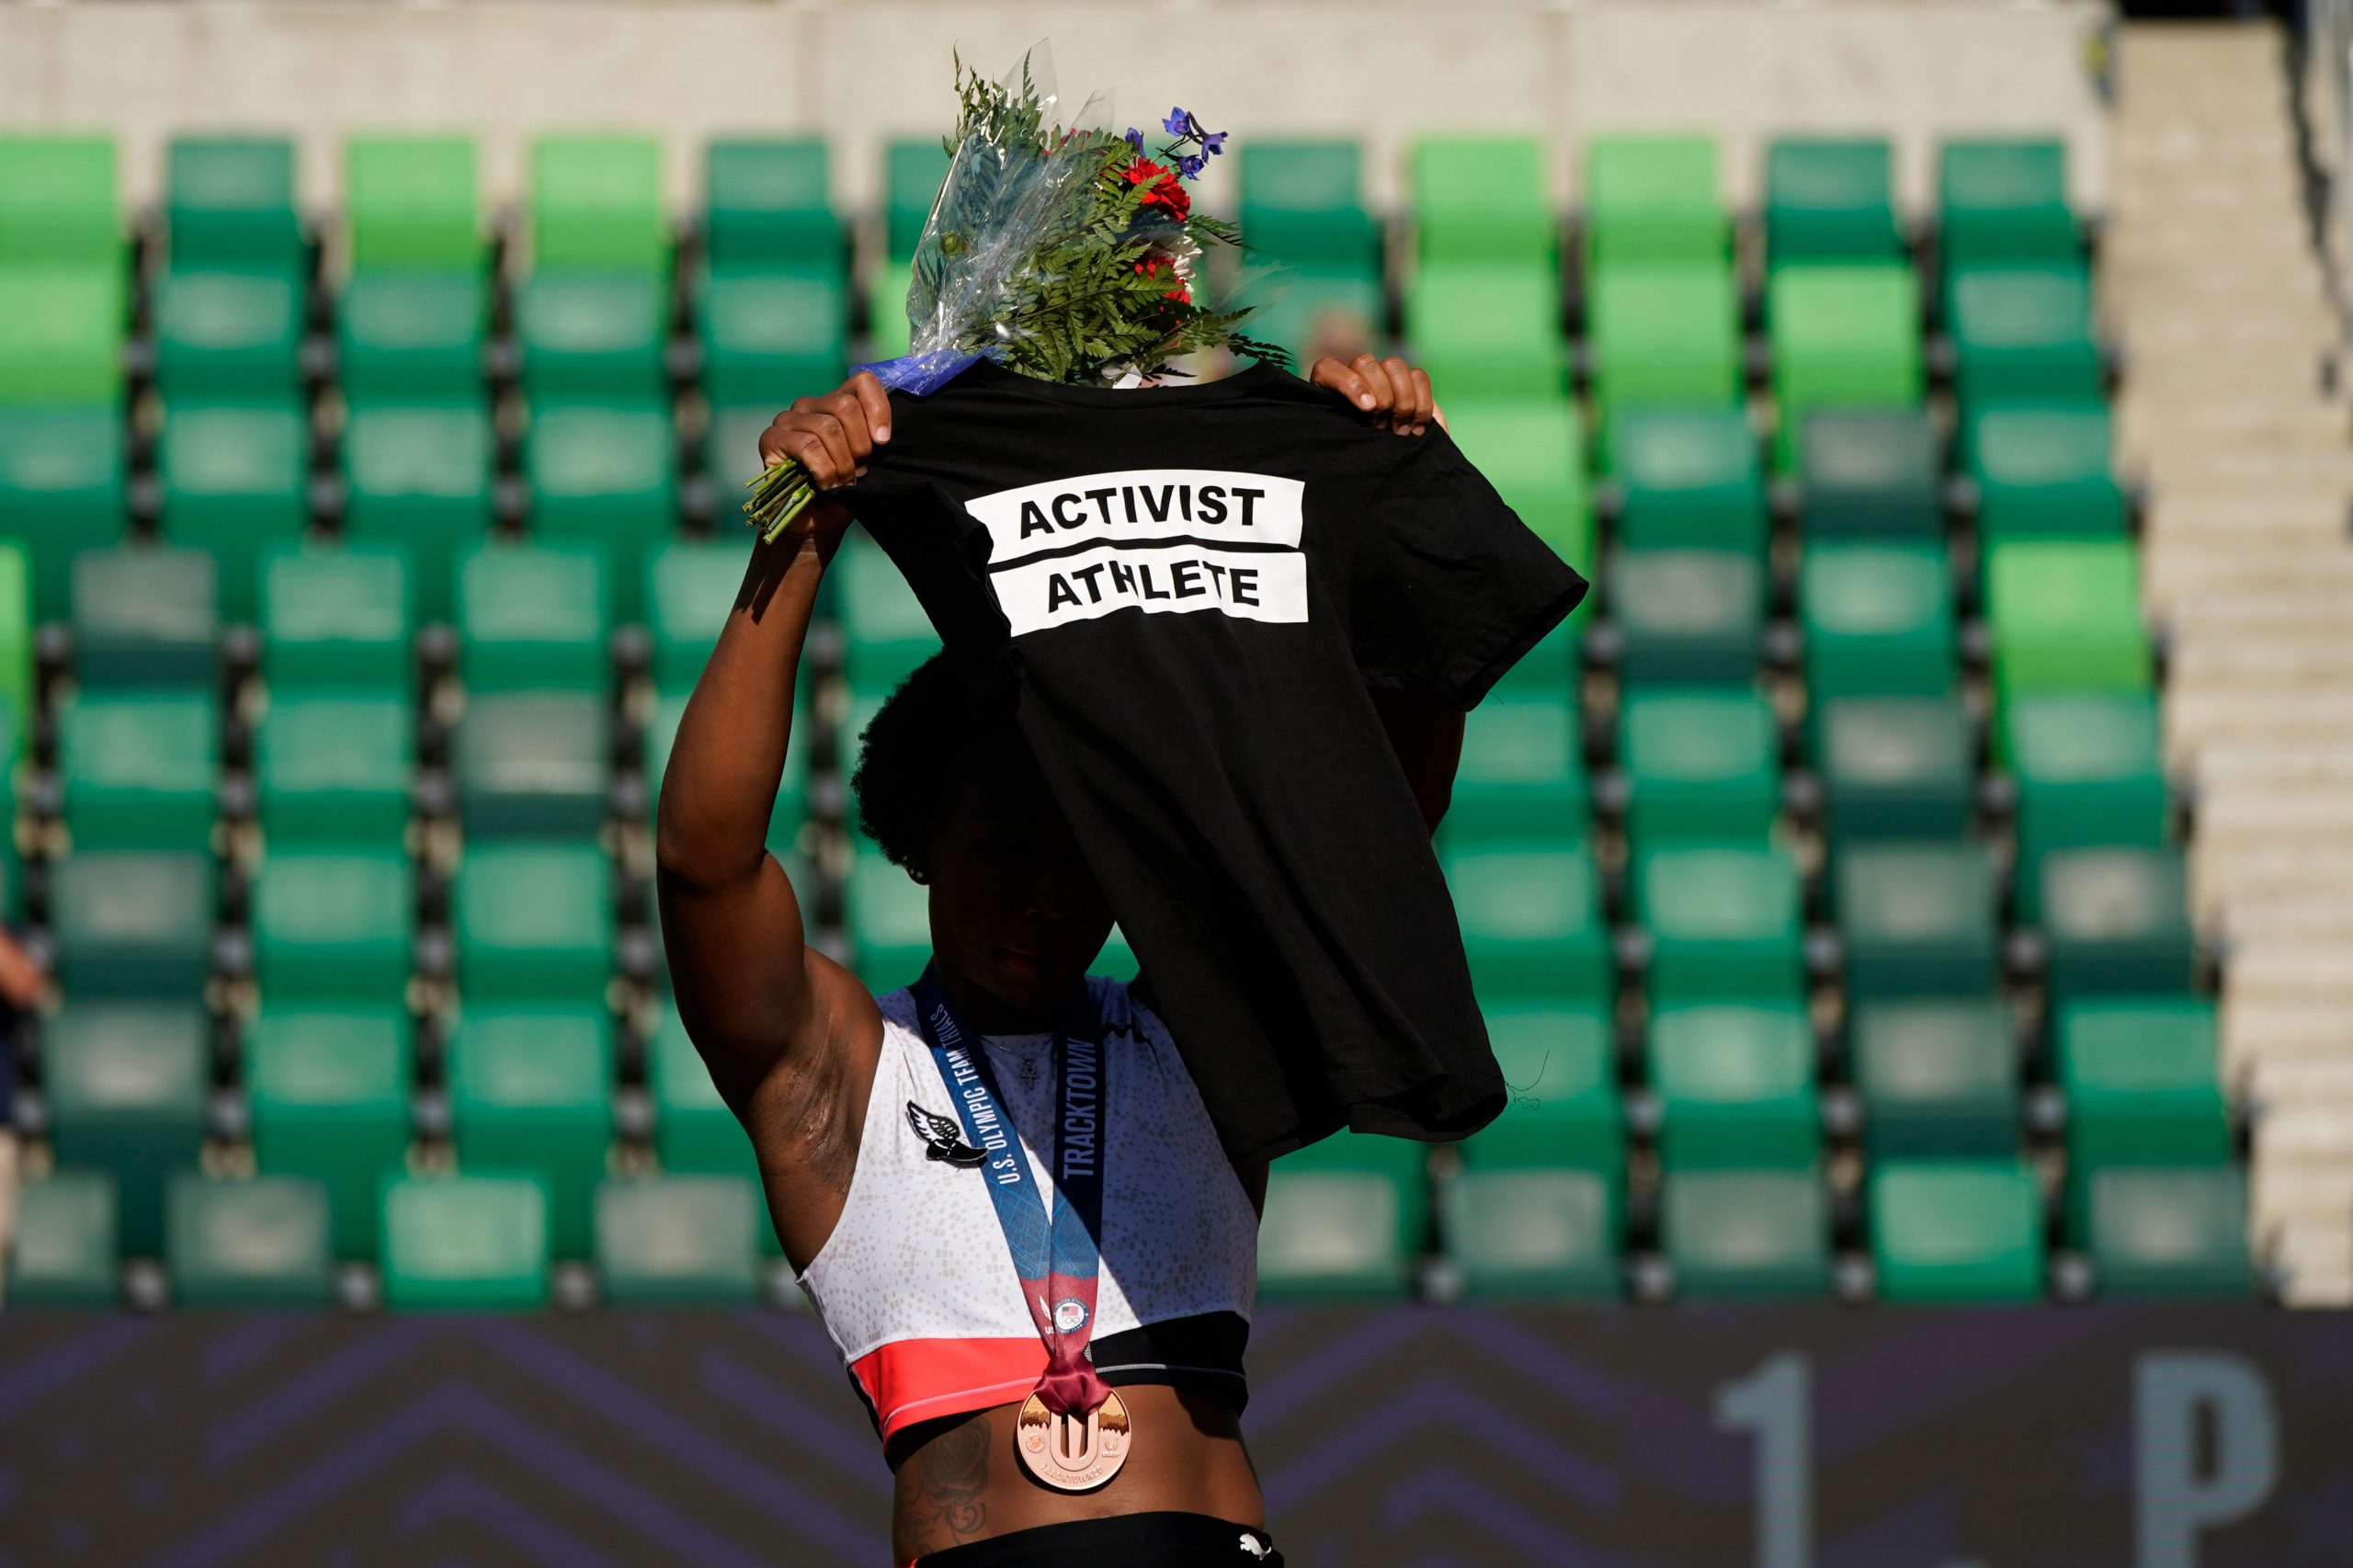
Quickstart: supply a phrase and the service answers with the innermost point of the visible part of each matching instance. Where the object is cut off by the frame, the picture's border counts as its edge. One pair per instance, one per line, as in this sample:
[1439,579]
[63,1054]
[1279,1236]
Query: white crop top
[915,1285]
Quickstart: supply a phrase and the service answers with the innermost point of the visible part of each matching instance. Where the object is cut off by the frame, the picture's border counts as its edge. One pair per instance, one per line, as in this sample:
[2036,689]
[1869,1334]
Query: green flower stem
[779,495]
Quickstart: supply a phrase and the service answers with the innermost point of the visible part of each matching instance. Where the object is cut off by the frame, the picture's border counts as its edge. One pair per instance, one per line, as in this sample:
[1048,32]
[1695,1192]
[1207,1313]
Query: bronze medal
[1068,1452]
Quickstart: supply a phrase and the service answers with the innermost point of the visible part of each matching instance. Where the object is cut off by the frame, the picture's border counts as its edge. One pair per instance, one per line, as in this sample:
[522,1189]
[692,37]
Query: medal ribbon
[1055,1253]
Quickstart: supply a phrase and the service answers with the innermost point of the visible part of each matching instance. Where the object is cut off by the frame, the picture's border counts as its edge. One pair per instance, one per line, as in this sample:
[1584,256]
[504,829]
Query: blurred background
[1912,899]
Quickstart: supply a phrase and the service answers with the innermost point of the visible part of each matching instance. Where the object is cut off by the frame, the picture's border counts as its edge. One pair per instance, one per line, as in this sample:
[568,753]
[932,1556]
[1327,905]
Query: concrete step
[2257,874]
[2256,1030]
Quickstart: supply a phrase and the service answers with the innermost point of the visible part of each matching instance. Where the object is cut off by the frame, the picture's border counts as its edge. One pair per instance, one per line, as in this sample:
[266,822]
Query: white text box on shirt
[1212,505]
[1254,585]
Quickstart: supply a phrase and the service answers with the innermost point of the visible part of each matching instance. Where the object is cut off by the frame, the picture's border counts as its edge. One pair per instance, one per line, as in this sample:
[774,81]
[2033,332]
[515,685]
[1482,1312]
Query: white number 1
[1775,1403]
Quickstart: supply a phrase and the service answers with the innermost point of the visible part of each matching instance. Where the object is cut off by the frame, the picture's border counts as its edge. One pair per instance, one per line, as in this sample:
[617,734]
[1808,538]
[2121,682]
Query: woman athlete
[857,1145]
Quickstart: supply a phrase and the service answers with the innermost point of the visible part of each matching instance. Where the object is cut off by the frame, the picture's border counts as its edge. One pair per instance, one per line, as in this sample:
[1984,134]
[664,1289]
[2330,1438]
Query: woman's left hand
[1389,389]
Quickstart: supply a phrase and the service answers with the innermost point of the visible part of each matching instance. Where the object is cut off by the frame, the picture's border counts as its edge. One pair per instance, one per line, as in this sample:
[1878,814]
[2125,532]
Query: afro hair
[906,777]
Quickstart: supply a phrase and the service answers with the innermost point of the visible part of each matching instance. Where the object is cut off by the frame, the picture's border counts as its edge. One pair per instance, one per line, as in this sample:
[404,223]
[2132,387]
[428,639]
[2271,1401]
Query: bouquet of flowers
[1060,252]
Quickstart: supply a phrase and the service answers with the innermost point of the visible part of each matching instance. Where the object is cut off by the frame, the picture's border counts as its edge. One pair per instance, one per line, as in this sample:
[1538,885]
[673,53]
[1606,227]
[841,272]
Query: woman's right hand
[833,437]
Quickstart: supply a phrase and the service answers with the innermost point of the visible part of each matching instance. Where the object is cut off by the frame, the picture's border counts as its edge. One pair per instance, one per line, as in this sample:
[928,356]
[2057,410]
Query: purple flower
[1214,142]
[1135,139]
[1191,167]
[1175,122]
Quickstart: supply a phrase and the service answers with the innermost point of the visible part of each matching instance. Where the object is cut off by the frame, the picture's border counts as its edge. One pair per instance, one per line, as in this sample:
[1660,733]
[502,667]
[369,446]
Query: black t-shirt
[1200,587]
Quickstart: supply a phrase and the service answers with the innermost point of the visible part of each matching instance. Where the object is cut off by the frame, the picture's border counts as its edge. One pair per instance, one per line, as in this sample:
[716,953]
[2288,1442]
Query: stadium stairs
[2229,413]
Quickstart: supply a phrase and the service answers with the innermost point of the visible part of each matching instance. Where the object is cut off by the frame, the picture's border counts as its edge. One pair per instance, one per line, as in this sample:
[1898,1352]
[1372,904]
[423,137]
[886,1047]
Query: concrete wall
[863,70]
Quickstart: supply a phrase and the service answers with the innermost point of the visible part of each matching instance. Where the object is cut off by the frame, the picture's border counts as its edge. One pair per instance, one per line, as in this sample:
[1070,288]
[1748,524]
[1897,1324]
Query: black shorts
[1124,1540]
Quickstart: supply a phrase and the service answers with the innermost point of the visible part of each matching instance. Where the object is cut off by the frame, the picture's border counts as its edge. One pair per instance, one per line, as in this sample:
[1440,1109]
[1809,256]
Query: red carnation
[1170,194]
[1145,170]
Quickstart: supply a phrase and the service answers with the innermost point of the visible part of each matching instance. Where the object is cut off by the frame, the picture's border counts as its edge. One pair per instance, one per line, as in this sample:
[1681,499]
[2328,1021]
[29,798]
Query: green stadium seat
[127,1084]
[2088,771]
[1531,921]
[888,632]
[1559,1064]
[2044,472]
[336,617]
[1490,329]
[2143,1087]
[1522,770]
[596,204]
[768,206]
[672,1239]
[1372,1194]
[592,334]
[137,768]
[1301,205]
[1700,763]
[533,763]
[1686,617]
[63,1252]
[465,1243]
[1894,766]
[890,921]
[412,334]
[1878,619]
[1870,473]
[328,1088]
[604,478]
[2001,199]
[2172,1232]
[418,477]
[888,324]
[1691,478]
[1830,199]
[532,615]
[264,1242]
[1666,337]
[1735,1084]
[533,921]
[334,922]
[221,333]
[529,1089]
[1956,1230]
[690,589]
[64,483]
[771,335]
[1937,1076]
[1653,199]
[133,923]
[57,201]
[731,453]
[1918,919]
[1724,922]
[791,812]
[235,478]
[1533,451]
[694,1132]
[913,170]
[2066,617]
[1842,338]
[16,654]
[229,201]
[1314,313]
[1330,1233]
[1483,199]
[1533,1233]
[61,342]
[411,202]
[2024,333]
[334,767]
[1734,1233]
[1117,959]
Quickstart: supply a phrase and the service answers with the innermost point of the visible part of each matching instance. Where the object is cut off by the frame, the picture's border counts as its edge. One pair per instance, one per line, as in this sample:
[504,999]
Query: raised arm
[788,1035]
